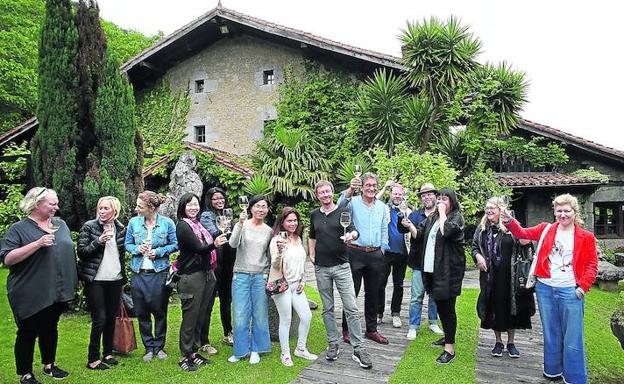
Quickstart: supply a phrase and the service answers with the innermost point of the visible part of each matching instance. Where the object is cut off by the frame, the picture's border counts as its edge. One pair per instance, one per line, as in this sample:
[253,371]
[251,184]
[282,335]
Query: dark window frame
[200,133]
[268,77]
[609,226]
[200,86]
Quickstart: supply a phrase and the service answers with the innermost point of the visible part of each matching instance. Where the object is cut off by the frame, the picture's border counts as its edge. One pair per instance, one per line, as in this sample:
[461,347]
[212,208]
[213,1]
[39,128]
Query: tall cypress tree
[54,150]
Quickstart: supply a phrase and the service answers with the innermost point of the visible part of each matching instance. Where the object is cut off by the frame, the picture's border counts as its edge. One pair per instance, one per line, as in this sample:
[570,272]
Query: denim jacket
[164,241]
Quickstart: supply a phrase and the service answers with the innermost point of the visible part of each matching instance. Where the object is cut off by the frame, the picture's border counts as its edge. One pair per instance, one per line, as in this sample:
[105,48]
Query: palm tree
[439,57]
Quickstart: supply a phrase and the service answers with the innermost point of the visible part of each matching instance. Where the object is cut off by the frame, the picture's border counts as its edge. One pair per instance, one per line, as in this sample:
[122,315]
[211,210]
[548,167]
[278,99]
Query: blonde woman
[42,278]
[495,251]
[101,255]
[567,264]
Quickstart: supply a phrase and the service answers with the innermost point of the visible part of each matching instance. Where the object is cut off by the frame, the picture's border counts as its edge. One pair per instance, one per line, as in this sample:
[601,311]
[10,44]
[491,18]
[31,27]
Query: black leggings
[448,318]
[103,298]
[44,325]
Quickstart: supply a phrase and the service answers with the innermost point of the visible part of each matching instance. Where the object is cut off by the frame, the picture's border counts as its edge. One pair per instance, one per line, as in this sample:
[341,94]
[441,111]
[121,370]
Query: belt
[147,271]
[363,249]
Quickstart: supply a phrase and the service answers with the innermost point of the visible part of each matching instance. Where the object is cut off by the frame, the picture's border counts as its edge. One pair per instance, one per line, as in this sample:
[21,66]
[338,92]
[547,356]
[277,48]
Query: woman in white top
[287,259]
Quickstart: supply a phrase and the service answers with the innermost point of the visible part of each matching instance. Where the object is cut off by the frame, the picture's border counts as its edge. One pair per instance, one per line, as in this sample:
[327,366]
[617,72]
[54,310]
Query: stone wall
[234,103]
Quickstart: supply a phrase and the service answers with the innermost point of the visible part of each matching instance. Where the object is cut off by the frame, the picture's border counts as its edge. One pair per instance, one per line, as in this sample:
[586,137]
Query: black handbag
[522,269]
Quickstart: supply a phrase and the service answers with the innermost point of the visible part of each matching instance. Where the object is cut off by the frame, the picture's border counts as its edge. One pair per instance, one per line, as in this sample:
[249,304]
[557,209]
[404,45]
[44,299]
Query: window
[199,86]
[200,133]
[608,221]
[268,77]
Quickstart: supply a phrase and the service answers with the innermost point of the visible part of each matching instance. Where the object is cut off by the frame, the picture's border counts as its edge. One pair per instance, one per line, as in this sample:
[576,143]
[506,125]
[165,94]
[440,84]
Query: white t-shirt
[430,248]
[110,268]
[560,259]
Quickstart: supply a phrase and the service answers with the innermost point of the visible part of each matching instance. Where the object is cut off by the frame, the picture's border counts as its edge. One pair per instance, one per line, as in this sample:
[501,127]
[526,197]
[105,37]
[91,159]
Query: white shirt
[110,268]
[560,258]
[430,248]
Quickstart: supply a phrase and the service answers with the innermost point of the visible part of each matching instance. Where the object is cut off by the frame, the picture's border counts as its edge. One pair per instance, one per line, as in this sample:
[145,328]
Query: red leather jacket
[584,257]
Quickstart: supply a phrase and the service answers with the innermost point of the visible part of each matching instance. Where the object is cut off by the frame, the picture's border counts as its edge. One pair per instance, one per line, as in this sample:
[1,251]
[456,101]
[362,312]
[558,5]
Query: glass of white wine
[243,202]
[54,226]
[222,223]
[357,172]
[229,216]
[345,221]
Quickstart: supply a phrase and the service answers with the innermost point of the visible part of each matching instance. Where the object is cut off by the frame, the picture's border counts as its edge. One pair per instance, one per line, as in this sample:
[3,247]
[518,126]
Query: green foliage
[259,185]
[161,115]
[476,187]
[516,154]
[291,161]
[11,194]
[592,174]
[346,170]
[124,44]
[215,174]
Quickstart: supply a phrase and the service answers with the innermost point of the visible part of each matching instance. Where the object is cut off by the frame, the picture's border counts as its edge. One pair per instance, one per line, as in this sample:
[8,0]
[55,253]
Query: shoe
[254,358]
[345,337]
[228,339]
[552,378]
[512,351]
[200,360]
[411,334]
[363,358]
[233,359]
[376,337]
[162,355]
[209,349]
[187,365]
[100,367]
[332,352]
[305,354]
[148,357]
[286,360]
[110,361]
[445,358]
[436,329]
[498,349]
[55,372]
[396,322]
[439,343]
[313,305]
[379,319]
[29,378]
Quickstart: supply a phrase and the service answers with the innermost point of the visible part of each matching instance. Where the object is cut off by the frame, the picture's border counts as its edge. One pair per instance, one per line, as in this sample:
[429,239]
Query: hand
[144,248]
[351,236]
[46,241]
[220,240]
[242,217]
[524,241]
[579,293]
[406,222]
[281,245]
[151,254]
[481,263]
[441,208]
[389,183]
[355,183]
[506,215]
[105,236]
[300,287]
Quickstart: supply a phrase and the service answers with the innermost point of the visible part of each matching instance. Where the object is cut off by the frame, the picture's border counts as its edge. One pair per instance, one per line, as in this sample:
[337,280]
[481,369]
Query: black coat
[91,251]
[450,261]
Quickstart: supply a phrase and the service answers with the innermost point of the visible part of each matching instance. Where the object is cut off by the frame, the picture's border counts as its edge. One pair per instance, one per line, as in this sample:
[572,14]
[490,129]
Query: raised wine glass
[243,203]
[507,201]
[222,223]
[357,172]
[54,226]
[345,221]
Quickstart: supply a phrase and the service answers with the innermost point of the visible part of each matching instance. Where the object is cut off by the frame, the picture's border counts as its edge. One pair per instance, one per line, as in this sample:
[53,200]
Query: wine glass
[357,170]
[345,221]
[403,208]
[229,216]
[222,223]
[243,203]
[54,225]
[507,201]
[148,242]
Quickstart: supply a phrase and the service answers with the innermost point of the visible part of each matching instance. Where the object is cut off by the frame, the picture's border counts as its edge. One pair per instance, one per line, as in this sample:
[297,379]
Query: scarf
[204,237]
[492,245]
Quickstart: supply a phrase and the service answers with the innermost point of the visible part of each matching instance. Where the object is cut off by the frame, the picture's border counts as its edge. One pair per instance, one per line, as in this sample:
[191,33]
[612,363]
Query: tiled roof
[293,34]
[17,131]
[230,161]
[584,144]
[542,179]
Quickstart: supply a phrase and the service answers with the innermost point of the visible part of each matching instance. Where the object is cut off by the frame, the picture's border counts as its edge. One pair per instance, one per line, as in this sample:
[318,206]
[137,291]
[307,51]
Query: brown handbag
[124,339]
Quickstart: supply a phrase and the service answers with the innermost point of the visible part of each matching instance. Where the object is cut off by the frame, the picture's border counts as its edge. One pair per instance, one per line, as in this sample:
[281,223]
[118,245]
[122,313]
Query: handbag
[172,276]
[531,280]
[275,287]
[124,339]
[523,267]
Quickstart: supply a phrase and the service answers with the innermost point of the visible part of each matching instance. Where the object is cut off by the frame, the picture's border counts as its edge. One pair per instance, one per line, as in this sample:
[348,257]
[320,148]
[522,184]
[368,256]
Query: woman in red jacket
[566,268]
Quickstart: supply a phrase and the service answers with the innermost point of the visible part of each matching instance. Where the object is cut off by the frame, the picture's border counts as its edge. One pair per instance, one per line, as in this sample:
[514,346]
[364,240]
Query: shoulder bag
[531,280]
[124,339]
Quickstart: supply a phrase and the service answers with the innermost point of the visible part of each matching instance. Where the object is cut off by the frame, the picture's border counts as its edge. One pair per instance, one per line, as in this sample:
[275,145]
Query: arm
[276,255]
[591,269]
[185,236]
[311,249]
[235,237]
[131,247]
[477,257]
[531,233]
[384,229]
[88,248]
[207,219]
[13,253]
[452,228]
[172,242]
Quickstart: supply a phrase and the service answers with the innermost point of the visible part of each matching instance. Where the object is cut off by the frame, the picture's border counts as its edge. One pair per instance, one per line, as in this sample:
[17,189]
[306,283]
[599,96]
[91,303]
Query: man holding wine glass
[330,230]
[370,217]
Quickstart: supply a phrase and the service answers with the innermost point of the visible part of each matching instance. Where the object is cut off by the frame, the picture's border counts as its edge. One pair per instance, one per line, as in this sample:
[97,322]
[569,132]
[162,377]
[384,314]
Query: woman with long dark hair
[443,263]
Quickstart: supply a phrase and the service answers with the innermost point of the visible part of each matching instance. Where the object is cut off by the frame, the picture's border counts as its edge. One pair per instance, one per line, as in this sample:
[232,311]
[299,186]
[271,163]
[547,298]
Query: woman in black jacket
[101,266]
[196,265]
[495,251]
[441,237]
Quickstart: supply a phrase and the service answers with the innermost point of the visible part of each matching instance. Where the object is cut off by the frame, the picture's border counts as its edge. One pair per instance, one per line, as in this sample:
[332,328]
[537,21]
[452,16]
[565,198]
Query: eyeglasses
[261,207]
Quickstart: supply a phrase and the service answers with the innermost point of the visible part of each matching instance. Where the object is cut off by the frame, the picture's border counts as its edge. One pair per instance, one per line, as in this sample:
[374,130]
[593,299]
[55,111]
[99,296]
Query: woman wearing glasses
[251,239]
[566,268]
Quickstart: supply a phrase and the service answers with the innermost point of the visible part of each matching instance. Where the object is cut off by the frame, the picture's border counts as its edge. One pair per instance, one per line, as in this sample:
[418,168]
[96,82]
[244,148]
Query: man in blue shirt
[370,217]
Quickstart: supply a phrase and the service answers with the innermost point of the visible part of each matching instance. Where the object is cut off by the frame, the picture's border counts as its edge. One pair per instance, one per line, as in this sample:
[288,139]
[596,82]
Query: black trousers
[42,325]
[195,291]
[368,266]
[151,298]
[397,263]
[448,318]
[103,299]
[223,289]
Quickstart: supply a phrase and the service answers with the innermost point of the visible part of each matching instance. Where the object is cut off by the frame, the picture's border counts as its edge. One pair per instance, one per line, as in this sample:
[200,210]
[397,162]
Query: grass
[74,333]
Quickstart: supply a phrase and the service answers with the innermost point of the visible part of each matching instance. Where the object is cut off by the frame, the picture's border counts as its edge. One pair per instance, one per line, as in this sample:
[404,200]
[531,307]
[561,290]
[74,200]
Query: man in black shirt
[328,252]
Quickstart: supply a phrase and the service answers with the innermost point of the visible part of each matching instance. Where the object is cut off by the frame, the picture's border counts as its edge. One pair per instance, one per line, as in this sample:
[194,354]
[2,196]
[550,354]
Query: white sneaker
[286,360]
[435,329]
[254,358]
[411,334]
[396,322]
[305,354]
[233,359]
[209,349]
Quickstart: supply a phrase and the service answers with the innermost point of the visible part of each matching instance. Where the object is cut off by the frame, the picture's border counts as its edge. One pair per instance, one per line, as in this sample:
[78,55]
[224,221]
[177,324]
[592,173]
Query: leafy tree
[12,172]
[439,57]
[54,151]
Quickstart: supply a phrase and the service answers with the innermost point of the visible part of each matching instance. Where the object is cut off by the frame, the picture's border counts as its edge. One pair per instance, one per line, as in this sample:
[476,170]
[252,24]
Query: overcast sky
[569,50]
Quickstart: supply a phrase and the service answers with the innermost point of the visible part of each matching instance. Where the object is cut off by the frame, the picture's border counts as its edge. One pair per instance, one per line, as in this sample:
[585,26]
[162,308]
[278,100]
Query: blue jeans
[562,321]
[251,314]
[415,307]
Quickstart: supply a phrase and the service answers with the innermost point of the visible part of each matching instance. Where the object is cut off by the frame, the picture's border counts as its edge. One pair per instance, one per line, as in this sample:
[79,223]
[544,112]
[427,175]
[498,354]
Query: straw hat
[427,187]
